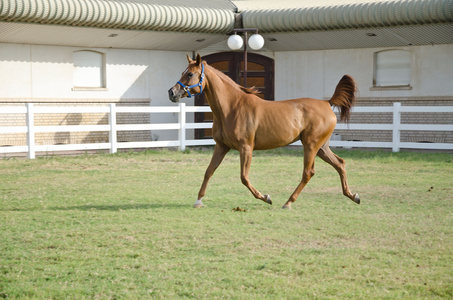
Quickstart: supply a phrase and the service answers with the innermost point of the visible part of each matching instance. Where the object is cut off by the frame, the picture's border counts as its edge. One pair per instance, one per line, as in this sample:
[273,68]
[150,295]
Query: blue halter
[200,84]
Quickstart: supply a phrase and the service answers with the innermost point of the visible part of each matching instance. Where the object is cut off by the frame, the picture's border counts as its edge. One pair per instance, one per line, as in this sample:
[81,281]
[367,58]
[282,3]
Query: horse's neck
[220,95]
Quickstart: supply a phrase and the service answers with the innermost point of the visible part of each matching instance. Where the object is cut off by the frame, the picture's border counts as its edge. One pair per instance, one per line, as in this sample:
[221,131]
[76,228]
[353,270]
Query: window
[89,70]
[392,68]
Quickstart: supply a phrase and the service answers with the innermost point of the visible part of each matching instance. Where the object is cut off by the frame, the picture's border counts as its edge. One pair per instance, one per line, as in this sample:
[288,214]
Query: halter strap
[199,84]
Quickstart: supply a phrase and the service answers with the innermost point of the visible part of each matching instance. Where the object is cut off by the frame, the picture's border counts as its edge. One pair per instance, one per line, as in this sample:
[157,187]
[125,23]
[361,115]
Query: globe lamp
[256,42]
[235,42]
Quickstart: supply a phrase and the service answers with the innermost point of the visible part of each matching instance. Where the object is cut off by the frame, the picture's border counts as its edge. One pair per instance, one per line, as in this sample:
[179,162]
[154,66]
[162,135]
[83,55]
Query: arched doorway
[260,74]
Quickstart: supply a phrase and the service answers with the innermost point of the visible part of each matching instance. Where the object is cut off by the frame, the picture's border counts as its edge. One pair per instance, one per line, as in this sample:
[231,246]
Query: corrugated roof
[217,4]
[180,16]
[244,5]
[217,16]
[200,24]
[332,15]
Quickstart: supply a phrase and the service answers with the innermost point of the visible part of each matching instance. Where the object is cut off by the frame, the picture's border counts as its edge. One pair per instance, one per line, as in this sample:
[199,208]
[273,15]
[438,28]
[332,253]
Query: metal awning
[353,15]
[287,25]
[174,16]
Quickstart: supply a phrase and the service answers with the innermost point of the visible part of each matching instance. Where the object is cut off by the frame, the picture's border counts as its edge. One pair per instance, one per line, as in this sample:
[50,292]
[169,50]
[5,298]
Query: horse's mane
[224,77]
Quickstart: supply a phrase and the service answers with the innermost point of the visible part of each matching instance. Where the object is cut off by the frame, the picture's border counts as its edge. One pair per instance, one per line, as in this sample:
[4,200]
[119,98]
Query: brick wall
[55,138]
[406,118]
[16,139]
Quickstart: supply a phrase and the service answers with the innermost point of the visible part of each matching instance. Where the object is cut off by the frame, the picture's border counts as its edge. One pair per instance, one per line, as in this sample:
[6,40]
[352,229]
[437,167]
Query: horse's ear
[189,59]
[198,59]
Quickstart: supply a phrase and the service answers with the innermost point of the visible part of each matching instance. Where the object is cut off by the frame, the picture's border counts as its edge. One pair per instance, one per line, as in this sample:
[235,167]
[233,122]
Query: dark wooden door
[260,74]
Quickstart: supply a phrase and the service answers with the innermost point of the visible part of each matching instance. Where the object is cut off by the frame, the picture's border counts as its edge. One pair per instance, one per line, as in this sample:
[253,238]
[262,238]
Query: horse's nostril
[170,92]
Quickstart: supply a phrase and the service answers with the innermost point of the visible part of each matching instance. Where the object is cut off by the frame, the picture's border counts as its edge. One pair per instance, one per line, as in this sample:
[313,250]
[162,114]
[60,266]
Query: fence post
[396,126]
[112,132]
[182,126]
[31,131]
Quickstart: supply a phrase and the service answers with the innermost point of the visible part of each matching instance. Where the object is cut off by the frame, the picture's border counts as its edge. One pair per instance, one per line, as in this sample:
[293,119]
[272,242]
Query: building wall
[315,74]
[44,75]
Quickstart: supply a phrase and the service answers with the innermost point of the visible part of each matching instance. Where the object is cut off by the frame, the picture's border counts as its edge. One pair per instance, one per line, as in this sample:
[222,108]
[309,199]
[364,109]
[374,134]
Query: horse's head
[191,82]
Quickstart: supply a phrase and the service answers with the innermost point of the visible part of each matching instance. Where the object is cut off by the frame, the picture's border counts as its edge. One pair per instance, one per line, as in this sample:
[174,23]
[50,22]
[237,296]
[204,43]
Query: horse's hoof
[198,204]
[268,199]
[286,207]
[356,199]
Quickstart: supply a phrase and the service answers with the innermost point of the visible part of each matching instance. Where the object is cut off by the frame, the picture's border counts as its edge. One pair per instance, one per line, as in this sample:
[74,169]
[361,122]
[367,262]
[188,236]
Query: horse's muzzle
[174,95]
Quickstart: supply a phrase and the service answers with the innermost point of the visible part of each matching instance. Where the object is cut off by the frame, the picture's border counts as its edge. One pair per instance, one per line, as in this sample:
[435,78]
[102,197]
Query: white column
[31,131]
[112,133]
[396,126]
[182,126]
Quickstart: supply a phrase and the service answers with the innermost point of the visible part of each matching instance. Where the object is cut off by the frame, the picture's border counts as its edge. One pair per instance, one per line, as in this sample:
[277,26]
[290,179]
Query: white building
[95,52]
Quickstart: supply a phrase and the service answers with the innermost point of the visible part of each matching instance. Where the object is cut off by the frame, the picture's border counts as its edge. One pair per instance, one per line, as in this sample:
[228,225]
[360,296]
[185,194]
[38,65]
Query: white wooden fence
[396,127]
[113,145]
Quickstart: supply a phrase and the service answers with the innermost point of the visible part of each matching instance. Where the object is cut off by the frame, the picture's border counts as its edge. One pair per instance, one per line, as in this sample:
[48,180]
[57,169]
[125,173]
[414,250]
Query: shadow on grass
[107,207]
[366,154]
[121,207]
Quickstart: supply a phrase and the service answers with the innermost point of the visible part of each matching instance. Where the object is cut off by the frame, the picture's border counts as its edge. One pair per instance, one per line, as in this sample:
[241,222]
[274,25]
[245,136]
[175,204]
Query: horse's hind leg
[339,164]
[246,161]
[220,151]
[309,171]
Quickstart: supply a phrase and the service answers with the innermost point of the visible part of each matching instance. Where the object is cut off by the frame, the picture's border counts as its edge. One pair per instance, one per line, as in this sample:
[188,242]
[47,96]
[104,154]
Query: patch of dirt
[239,209]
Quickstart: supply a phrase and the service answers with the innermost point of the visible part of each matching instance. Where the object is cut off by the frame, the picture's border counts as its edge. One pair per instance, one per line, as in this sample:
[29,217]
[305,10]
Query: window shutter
[392,68]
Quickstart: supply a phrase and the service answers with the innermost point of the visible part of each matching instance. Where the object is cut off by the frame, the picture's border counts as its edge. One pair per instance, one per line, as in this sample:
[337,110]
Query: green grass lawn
[123,226]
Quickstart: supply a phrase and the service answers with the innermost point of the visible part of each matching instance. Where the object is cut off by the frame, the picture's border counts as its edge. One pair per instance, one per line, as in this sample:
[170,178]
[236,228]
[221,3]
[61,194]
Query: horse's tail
[344,96]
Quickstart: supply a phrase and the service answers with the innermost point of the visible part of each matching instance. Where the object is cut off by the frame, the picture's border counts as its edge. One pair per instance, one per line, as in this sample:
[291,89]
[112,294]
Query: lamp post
[255,42]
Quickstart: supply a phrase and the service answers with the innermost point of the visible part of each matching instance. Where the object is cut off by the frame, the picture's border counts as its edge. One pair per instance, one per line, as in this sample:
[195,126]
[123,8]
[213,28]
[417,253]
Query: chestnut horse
[245,122]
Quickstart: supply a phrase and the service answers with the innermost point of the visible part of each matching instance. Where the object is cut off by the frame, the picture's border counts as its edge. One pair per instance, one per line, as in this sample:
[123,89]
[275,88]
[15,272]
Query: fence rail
[112,127]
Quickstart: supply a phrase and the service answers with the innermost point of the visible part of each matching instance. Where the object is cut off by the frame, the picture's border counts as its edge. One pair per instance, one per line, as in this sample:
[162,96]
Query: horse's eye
[190,74]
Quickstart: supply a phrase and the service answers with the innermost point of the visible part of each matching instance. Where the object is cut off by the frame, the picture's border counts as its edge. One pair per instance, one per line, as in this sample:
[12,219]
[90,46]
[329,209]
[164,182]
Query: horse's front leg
[220,151]
[246,161]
